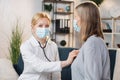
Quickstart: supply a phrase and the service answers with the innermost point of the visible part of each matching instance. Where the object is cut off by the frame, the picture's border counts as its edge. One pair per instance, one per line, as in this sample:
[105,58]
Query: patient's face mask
[76,27]
[42,32]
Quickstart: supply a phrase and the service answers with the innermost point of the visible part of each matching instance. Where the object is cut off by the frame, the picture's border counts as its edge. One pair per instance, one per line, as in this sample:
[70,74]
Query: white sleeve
[93,63]
[56,75]
[37,64]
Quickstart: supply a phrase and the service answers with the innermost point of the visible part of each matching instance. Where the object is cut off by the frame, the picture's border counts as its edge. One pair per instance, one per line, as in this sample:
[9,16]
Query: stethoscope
[43,48]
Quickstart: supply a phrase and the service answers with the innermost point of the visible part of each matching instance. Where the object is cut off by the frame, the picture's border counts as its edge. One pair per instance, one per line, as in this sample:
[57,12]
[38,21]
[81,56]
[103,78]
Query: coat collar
[35,43]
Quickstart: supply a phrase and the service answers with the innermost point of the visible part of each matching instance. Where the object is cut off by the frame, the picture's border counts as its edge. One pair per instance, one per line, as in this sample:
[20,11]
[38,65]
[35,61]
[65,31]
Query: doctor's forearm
[64,64]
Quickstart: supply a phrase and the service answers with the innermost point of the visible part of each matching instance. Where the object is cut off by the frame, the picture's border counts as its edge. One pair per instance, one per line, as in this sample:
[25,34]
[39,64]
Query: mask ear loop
[43,48]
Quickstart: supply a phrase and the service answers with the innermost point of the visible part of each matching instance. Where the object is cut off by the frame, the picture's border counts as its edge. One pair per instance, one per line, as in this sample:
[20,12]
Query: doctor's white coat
[36,66]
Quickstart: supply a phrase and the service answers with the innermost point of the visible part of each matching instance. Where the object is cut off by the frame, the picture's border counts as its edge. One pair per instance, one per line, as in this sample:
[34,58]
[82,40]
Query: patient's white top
[92,62]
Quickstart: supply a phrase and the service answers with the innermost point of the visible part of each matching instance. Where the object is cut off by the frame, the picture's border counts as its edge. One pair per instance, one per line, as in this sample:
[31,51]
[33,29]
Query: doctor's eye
[46,26]
[40,25]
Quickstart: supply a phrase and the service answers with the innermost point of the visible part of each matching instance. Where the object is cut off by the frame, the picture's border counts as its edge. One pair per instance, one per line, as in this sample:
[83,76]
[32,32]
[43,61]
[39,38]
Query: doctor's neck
[42,40]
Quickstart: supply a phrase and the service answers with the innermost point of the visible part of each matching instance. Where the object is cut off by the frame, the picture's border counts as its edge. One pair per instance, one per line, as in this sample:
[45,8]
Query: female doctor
[92,62]
[40,54]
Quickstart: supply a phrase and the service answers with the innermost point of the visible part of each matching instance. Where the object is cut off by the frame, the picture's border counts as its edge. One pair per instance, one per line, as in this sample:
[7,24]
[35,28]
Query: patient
[92,62]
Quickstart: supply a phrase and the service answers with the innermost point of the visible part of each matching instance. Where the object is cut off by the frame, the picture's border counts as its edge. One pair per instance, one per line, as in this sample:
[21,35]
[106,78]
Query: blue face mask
[76,27]
[42,32]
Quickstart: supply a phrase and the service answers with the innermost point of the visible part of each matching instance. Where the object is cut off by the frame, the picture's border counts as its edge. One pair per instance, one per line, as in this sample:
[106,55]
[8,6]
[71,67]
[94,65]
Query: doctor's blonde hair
[38,16]
[90,21]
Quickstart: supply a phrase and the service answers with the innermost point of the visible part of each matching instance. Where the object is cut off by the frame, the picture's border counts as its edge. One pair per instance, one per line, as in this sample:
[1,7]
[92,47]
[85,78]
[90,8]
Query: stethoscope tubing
[43,48]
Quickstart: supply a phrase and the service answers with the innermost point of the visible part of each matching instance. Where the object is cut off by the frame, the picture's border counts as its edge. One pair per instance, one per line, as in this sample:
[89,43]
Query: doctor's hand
[70,58]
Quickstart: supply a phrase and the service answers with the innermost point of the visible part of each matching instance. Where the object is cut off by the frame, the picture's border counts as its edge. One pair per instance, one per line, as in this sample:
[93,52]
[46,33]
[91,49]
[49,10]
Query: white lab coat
[36,66]
[92,62]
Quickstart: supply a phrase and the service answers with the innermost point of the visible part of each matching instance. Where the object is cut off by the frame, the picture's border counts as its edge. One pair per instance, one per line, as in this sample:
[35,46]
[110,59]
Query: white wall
[10,11]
